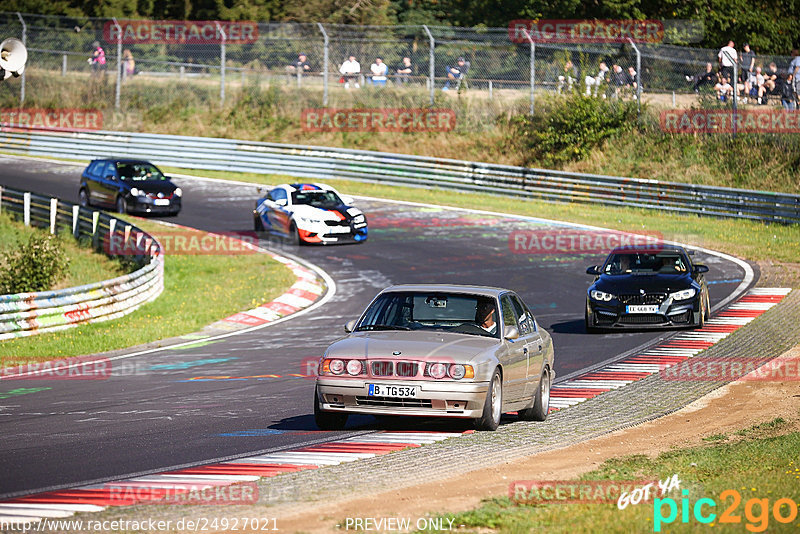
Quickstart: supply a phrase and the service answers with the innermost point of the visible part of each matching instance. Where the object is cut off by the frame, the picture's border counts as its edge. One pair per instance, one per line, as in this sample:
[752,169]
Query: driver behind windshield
[484,316]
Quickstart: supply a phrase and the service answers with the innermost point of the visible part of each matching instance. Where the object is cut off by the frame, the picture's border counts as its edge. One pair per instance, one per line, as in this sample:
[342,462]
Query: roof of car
[649,249]
[447,288]
[307,187]
[124,160]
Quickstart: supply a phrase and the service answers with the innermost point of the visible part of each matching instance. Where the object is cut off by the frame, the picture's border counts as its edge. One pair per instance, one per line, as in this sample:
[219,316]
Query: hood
[417,345]
[337,213]
[623,284]
[152,186]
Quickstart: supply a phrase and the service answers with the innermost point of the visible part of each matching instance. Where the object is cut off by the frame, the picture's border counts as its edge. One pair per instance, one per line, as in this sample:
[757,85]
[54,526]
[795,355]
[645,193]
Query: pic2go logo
[756,511]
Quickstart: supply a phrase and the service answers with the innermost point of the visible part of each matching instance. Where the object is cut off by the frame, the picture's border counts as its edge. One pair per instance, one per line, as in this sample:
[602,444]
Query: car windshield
[317,199]
[645,263]
[136,172]
[454,312]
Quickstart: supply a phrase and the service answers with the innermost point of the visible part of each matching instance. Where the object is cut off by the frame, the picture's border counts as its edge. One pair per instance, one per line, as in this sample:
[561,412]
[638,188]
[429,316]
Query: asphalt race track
[149,416]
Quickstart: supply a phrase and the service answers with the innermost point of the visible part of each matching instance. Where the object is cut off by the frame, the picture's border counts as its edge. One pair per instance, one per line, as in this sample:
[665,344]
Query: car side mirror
[594,269]
[349,326]
[111,177]
[281,202]
[700,269]
[511,334]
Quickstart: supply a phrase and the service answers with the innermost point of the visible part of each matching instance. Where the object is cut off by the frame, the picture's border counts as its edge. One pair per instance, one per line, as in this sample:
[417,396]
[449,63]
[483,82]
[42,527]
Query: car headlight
[179,192]
[458,371]
[683,295]
[135,192]
[336,367]
[355,367]
[437,370]
[600,295]
[358,219]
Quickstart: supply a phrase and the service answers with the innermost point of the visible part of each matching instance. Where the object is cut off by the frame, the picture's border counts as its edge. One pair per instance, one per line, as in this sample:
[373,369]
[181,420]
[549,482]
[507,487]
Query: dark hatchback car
[647,287]
[129,186]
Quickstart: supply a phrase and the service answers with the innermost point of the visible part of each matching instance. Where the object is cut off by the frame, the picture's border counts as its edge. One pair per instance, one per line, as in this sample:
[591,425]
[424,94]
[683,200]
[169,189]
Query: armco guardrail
[26,314]
[322,163]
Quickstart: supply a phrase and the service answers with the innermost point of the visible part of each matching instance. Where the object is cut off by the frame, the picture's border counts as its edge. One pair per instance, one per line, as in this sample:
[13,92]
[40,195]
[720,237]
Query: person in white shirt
[727,57]
[350,70]
[593,82]
[379,71]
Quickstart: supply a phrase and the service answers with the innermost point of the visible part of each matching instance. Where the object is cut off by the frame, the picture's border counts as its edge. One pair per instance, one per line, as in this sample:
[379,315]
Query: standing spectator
[379,71]
[456,73]
[350,71]
[703,78]
[569,77]
[98,60]
[724,89]
[794,70]
[747,64]
[727,57]
[594,82]
[128,64]
[405,70]
[299,67]
[756,83]
[618,79]
[788,93]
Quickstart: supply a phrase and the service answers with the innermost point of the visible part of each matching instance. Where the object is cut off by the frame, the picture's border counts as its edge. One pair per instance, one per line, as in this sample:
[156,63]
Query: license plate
[398,392]
[339,229]
[647,308]
[161,202]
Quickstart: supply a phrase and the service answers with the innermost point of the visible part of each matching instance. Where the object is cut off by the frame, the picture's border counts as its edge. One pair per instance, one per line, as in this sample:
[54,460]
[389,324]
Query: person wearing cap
[379,70]
[456,73]
[484,316]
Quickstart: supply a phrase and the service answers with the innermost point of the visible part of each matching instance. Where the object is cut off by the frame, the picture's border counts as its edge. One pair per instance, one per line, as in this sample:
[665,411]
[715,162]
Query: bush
[571,129]
[36,265]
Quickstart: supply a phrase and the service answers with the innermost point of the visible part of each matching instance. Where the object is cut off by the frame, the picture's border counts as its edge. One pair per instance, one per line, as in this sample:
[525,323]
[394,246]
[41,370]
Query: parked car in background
[465,352]
[129,186]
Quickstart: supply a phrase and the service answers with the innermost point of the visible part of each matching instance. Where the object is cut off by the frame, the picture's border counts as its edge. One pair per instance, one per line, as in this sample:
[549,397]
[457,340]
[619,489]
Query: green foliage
[34,266]
[570,131]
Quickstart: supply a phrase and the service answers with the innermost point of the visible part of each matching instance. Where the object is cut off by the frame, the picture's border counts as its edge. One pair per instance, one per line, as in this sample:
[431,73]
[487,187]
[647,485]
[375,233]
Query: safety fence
[322,163]
[26,314]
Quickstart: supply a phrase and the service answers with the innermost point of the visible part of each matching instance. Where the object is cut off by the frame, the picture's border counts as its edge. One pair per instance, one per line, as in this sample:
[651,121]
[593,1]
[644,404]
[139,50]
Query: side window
[523,317]
[534,326]
[509,318]
[92,170]
[104,169]
[277,194]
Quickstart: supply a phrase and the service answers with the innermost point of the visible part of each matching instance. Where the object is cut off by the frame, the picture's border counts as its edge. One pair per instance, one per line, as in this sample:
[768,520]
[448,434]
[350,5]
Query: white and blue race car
[309,213]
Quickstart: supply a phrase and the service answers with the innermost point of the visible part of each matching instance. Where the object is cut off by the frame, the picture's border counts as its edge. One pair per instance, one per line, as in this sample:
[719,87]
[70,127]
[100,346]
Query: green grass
[85,266]
[747,239]
[198,290]
[762,466]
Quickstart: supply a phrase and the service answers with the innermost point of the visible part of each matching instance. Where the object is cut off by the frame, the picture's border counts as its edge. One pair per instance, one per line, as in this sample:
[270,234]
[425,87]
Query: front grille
[337,223]
[648,298]
[681,317]
[393,403]
[407,369]
[159,195]
[642,318]
[382,369]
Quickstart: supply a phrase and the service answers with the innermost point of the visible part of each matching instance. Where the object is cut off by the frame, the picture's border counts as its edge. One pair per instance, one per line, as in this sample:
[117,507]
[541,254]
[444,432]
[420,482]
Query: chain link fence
[424,66]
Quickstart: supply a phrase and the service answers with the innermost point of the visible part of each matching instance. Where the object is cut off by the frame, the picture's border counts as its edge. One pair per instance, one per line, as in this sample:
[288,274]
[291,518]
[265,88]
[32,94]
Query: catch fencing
[228,59]
[26,314]
[323,163]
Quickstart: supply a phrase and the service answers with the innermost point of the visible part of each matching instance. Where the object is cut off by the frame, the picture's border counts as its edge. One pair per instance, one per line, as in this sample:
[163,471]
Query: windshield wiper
[382,327]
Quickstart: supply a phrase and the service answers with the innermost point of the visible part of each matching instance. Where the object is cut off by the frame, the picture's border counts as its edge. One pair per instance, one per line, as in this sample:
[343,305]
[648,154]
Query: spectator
[631,81]
[703,78]
[128,64]
[594,82]
[724,89]
[788,93]
[98,59]
[456,73]
[755,83]
[299,67]
[794,70]
[727,57]
[747,65]
[379,71]
[618,79]
[771,81]
[405,71]
[350,71]
[569,77]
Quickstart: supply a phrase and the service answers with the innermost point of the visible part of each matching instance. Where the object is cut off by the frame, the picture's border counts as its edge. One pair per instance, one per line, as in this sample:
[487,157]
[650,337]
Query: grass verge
[198,290]
[755,241]
[760,468]
[85,267]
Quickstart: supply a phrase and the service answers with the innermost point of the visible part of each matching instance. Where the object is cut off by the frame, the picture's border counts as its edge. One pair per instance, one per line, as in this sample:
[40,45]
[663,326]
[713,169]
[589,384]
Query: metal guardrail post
[431,63]
[119,63]
[24,42]
[638,79]
[324,65]
[26,209]
[221,64]
[533,68]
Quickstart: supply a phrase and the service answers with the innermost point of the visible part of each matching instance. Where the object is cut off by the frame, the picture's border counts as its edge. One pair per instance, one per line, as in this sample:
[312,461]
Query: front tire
[122,205]
[492,406]
[327,420]
[541,401]
[587,319]
[84,198]
[294,235]
[258,224]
